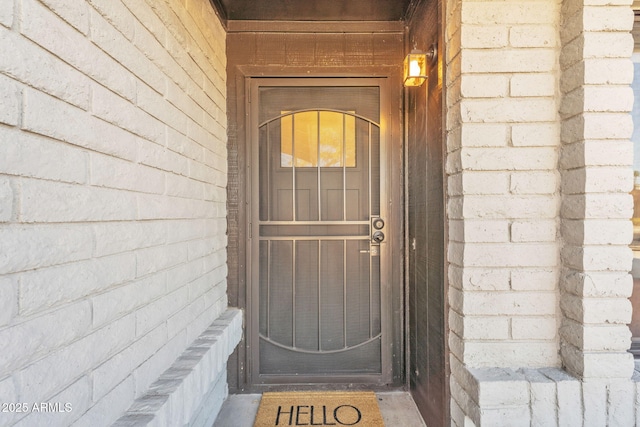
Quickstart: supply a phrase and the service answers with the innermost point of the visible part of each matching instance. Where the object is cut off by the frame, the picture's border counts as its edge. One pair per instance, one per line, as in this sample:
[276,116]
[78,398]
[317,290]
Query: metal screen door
[317,229]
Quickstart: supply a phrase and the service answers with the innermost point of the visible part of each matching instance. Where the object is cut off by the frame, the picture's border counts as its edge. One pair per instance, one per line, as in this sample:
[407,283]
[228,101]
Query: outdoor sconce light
[415,66]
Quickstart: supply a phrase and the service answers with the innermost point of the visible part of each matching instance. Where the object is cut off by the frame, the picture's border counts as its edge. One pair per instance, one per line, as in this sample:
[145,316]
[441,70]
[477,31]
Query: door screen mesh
[319,187]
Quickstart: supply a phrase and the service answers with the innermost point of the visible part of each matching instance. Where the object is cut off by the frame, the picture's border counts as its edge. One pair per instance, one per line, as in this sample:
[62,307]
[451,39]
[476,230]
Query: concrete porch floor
[397,407]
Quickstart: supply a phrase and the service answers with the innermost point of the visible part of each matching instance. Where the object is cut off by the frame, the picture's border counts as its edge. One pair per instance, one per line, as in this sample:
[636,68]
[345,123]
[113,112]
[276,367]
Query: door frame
[392,286]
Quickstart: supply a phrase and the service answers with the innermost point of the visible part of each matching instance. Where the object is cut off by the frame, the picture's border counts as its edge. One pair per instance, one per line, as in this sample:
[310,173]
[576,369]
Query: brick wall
[112,197]
[596,181]
[538,177]
[503,140]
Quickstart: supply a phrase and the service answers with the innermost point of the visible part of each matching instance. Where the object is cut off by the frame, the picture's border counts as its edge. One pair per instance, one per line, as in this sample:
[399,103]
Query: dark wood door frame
[392,76]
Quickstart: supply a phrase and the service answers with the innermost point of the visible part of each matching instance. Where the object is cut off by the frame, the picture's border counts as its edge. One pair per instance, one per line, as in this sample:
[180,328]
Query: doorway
[319,263]
[343,56]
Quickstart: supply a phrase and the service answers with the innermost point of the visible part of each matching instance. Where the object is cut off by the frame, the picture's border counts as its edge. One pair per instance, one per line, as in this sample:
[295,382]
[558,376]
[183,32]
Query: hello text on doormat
[319,409]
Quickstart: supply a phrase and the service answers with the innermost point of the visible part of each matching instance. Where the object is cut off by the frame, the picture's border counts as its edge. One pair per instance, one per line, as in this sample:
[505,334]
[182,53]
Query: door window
[309,138]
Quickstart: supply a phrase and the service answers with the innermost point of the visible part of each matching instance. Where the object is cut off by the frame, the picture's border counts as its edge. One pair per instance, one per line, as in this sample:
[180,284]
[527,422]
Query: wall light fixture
[415,66]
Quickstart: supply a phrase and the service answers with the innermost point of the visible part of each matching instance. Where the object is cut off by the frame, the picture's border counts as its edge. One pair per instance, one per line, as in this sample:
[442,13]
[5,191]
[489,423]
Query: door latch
[377,237]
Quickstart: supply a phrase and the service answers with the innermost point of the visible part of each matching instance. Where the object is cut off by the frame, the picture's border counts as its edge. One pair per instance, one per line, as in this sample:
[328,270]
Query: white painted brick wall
[535,134]
[539,91]
[545,396]
[44,114]
[532,84]
[485,135]
[534,328]
[112,198]
[10,99]
[529,279]
[595,109]
[8,299]
[6,200]
[174,398]
[483,36]
[543,230]
[30,155]
[6,14]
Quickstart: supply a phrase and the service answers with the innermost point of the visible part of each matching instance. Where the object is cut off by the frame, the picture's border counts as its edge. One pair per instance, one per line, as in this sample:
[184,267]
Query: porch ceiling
[314,10]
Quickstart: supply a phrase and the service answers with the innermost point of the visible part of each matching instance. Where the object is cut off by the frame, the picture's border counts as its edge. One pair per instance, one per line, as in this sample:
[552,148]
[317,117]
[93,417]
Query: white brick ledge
[545,396]
[178,395]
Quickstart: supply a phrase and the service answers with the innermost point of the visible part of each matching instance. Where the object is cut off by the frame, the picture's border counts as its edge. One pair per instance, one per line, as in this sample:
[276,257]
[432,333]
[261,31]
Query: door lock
[378,223]
[377,237]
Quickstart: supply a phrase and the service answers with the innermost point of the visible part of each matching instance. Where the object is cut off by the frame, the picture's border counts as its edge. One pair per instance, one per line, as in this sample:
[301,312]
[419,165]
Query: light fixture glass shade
[415,68]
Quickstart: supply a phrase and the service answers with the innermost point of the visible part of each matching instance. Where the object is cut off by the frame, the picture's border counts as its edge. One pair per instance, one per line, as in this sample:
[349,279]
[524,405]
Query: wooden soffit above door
[312,10]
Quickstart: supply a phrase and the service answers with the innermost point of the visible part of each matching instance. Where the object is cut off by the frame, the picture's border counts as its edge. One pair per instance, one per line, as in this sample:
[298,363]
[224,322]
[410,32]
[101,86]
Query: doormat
[318,408]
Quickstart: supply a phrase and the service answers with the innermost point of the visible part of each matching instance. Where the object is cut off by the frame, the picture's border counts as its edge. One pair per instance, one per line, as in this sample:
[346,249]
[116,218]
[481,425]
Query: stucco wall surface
[112,198]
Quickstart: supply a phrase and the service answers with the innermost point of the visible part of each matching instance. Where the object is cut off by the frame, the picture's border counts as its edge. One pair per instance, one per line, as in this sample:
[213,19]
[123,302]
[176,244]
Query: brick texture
[538,165]
[112,195]
[503,149]
[597,232]
[538,174]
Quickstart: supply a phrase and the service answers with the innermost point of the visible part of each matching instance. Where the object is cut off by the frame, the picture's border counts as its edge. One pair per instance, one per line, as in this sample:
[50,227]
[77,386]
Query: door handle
[377,237]
[373,251]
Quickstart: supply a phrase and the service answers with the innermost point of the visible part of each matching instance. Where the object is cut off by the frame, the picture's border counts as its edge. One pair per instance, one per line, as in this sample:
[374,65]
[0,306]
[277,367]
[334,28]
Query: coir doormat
[332,408]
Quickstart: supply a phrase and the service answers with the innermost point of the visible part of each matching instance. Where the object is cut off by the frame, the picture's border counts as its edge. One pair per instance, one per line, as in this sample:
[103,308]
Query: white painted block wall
[112,198]
[503,183]
[539,176]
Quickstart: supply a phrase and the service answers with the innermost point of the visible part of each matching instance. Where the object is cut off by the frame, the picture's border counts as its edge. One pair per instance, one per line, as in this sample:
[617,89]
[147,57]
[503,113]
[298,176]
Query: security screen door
[317,230]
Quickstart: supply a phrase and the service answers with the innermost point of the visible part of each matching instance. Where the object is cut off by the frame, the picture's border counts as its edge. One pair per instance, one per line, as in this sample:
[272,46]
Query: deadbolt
[377,237]
[378,223]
